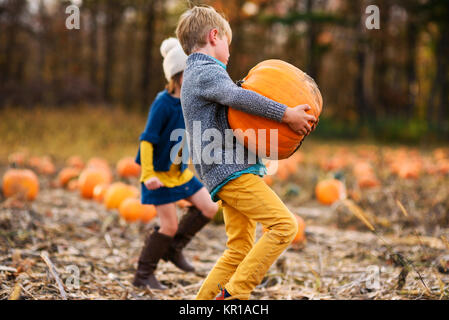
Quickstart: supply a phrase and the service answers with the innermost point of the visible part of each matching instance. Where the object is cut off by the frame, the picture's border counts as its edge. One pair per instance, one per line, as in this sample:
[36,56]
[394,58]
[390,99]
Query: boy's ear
[213,36]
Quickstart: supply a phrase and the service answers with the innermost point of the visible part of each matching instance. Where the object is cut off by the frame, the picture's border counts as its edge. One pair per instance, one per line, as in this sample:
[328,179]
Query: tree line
[397,73]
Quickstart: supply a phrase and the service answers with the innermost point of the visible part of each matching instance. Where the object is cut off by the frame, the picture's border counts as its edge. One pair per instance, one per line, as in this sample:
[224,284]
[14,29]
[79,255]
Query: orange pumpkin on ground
[75,162]
[17,158]
[284,83]
[89,178]
[130,210]
[127,167]
[100,191]
[301,235]
[66,175]
[329,191]
[149,213]
[184,203]
[268,180]
[72,185]
[117,193]
[46,166]
[22,183]
[367,181]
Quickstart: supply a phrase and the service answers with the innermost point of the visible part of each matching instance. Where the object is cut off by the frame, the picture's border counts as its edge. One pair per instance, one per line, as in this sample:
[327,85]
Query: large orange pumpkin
[22,183]
[329,191]
[89,178]
[127,167]
[118,192]
[284,83]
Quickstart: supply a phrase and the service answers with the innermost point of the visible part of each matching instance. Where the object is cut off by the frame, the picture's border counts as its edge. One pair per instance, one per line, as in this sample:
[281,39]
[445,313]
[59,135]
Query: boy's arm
[217,86]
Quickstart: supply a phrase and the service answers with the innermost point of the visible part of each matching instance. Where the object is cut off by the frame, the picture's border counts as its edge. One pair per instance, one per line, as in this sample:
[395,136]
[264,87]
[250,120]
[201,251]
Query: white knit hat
[174,57]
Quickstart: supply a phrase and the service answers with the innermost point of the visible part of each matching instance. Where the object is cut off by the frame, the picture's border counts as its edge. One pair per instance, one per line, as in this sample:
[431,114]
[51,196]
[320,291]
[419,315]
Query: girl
[163,182]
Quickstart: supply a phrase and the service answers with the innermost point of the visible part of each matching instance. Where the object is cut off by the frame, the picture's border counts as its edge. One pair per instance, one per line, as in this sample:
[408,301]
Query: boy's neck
[209,51]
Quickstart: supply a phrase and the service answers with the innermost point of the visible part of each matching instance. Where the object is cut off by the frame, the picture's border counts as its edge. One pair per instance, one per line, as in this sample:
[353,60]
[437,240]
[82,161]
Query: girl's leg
[202,200]
[193,221]
[168,219]
[157,243]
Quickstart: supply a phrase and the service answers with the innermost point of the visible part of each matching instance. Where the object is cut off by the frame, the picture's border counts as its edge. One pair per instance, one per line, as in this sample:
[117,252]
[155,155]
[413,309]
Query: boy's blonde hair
[196,23]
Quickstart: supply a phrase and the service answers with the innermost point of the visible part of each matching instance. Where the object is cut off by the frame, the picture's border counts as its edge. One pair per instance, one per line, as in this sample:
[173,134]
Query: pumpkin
[367,181]
[89,178]
[268,180]
[127,167]
[97,162]
[100,191]
[184,203]
[17,158]
[284,83]
[149,213]
[73,185]
[301,234]
[131,210]
[75,162]
[329,191]
[46,166]
[117,193]
[66,175]
[23,183]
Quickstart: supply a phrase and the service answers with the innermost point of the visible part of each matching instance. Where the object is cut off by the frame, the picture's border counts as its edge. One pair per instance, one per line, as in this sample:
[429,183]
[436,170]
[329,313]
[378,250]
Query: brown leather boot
[192,222]
[156,245]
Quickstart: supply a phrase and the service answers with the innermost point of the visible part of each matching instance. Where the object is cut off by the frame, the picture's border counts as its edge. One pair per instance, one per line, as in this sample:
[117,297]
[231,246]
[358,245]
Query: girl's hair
[174,81]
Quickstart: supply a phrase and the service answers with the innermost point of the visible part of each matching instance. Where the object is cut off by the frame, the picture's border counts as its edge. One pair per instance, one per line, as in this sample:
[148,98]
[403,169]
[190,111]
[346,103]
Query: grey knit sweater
[206,93]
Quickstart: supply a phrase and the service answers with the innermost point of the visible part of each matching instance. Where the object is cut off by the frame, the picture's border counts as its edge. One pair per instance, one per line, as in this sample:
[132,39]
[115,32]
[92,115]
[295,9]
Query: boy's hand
[153,183]
[298,120]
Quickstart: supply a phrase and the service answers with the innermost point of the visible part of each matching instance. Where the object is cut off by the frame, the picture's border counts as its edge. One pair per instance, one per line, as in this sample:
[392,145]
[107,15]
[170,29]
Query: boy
[206,92]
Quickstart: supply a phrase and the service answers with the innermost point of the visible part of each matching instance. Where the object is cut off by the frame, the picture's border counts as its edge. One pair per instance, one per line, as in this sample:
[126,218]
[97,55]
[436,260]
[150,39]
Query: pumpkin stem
[240,82]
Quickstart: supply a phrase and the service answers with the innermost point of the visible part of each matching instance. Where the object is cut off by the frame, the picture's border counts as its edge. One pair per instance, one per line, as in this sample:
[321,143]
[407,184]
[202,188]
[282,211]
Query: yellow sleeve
[146,160]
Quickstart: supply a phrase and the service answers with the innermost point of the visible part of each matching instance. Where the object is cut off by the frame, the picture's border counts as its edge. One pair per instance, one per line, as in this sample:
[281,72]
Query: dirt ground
[61,246]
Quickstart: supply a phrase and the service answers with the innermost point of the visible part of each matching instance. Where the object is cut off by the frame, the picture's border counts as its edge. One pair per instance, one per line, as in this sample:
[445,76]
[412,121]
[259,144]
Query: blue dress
[164,117]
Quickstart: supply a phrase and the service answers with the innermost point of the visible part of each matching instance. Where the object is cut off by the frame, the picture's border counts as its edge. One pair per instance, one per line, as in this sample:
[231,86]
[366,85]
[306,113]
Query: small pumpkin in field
[66,175]
[23,183]
[367,181]
[117,193]
[329,191]
[131,210]
[286,84]
[149,213]
[301,234]
[100,164]
[127,167]
[184,203]
[73,185]
[75,162]
[100,191]
[17,158]
[89,178]
[268,180]
[46,166]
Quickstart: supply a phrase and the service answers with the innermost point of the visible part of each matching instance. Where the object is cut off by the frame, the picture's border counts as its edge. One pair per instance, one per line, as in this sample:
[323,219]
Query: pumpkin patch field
[373,222]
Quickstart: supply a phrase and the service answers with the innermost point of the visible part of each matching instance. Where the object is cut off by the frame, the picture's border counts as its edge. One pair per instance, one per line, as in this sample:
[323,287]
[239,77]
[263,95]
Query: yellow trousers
[246,201]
